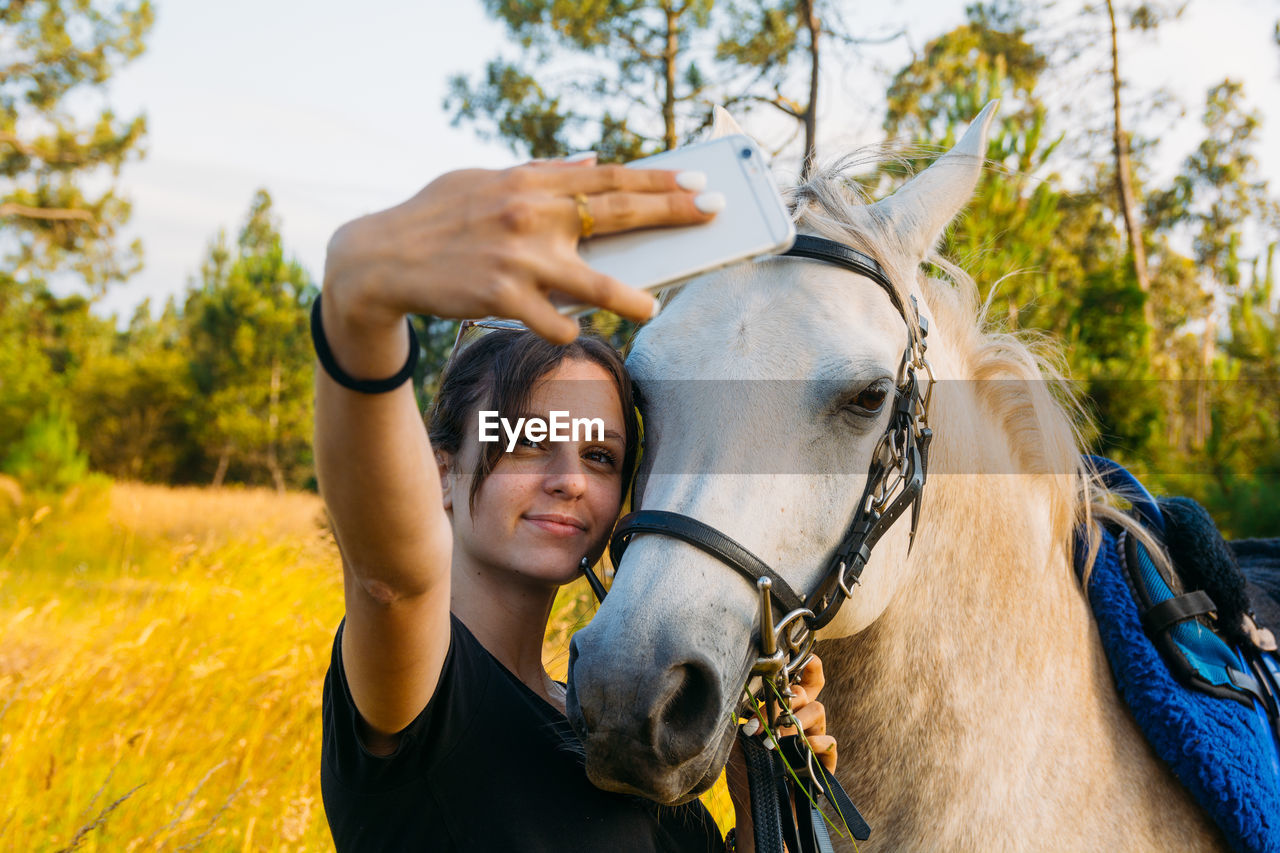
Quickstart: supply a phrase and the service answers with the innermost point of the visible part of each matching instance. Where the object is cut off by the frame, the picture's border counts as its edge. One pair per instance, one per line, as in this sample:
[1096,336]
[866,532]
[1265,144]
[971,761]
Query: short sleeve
[424,742]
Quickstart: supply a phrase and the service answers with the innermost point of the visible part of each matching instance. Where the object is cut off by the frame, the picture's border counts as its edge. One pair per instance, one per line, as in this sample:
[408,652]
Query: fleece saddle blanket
[1204,697]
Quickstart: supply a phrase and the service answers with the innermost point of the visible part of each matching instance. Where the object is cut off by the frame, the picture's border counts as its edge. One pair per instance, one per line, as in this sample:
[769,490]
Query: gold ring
[588,222]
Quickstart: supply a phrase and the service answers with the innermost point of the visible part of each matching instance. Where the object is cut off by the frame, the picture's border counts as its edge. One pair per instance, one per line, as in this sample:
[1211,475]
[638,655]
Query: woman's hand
[812,716]
[810,713]
[475,243]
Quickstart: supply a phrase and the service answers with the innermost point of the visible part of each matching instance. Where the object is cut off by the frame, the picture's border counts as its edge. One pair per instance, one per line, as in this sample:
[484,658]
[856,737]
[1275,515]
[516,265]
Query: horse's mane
[1021,375]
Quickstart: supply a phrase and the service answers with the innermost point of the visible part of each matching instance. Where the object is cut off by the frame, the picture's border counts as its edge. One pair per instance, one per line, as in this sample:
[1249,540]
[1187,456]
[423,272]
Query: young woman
[442,730]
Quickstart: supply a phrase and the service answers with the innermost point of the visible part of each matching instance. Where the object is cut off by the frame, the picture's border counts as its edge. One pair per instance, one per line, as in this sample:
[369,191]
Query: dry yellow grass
[161,658]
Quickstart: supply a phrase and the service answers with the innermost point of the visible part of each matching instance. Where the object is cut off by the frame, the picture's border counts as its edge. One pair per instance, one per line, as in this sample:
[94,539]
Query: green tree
[1243,450]
[44,341]
[588,76]
[133,404]
[1014,228]
[54,53]
[773,50]
[1216,200]
[247,339]
[53,49]
[1143,16]
[628,78]
[1044,258]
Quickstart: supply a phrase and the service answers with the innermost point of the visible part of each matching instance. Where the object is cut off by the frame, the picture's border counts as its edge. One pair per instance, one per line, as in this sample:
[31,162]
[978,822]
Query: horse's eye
[870,399]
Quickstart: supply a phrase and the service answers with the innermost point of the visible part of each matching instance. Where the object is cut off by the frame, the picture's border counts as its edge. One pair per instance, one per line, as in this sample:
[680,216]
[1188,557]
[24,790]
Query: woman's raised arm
[471,244]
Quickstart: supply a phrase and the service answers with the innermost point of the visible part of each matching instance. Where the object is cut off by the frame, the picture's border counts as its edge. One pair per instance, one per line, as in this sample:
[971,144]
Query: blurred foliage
[217,390]
[48,454]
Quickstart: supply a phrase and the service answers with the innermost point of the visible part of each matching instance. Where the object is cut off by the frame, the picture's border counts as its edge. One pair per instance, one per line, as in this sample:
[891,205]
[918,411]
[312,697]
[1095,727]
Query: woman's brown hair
[498,373]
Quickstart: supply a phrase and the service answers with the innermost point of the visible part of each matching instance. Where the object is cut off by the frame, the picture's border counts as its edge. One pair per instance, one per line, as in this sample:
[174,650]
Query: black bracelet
[346,380]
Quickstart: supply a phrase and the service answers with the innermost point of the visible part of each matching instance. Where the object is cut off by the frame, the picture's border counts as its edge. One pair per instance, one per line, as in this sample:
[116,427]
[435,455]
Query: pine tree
[52,50]
[247,338]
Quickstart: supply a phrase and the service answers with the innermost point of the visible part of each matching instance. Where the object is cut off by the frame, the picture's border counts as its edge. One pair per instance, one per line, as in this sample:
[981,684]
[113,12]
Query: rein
[895,482]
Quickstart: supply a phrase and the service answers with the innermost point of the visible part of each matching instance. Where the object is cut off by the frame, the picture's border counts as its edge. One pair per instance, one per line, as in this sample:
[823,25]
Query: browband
[831,252]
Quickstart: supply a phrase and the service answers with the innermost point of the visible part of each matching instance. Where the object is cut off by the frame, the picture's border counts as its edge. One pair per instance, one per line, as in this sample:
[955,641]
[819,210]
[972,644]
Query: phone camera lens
[746,153]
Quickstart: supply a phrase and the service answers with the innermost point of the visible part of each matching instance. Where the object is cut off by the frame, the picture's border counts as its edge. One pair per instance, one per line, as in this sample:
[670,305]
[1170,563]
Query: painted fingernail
[711,202]
[750,727]
[657,309]
[580,156]
[692,181]
[770,743]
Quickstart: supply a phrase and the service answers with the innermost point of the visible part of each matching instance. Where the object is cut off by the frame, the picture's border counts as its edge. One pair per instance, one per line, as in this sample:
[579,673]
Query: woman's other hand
[811,715]
[476,243]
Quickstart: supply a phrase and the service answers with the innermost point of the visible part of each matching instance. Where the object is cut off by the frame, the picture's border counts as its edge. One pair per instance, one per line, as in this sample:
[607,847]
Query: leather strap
[831,252]
[704,538]
[1171,611]
[847,815]
[766,817]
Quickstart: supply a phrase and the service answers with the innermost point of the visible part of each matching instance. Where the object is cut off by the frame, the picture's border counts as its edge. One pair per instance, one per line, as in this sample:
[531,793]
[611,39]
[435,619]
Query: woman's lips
[557,525]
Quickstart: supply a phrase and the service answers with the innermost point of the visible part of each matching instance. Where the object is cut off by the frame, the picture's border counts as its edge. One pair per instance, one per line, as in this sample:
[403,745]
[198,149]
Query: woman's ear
[444,465]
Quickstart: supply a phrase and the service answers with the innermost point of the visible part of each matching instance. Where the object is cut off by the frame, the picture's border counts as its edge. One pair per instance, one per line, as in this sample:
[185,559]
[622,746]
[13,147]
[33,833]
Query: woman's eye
[603,457]
[870,399]
[529,443]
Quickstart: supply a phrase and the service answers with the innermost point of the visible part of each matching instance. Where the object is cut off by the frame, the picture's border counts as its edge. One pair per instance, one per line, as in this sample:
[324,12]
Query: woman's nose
[568,475]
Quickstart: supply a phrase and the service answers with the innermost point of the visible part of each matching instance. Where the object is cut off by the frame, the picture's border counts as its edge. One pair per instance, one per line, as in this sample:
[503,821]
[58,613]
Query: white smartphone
[754,221]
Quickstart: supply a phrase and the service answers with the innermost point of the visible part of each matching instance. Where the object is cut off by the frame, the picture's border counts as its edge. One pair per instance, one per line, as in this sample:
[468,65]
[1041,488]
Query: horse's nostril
[690,710]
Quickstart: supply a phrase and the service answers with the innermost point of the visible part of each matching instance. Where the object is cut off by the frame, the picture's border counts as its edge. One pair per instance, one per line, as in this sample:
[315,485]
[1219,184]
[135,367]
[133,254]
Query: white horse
[966,682]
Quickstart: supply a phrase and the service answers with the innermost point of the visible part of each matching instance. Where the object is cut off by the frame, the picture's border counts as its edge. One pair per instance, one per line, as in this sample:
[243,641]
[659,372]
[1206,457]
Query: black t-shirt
[487,765]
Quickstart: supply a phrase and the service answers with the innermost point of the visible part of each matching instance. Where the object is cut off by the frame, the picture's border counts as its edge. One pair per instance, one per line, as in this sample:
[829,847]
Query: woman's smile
[557,524]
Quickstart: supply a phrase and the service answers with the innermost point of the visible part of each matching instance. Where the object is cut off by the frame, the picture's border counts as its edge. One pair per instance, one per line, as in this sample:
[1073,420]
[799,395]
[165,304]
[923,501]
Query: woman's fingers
[824,746]
[619,198]
[581,284]
[623,211]
[533,309]
[812,718]
[582,158]
[811,677]
[590,179]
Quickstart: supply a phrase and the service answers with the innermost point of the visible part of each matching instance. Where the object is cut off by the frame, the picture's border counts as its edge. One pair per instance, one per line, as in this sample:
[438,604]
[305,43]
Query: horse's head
[766,389]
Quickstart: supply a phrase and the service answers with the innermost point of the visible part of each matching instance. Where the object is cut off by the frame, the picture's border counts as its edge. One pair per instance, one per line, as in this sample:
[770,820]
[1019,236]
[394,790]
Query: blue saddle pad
[1221,750]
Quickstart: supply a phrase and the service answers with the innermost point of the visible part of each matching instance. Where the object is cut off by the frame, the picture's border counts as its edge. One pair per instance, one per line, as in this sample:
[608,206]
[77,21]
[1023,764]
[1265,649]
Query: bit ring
[586,220]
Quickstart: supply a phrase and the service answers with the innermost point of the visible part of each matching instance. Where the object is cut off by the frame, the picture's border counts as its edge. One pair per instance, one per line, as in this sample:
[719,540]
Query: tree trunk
[1124,176]
[1203,424]
[223,461]
[809,17]
[669,56]
[273,428]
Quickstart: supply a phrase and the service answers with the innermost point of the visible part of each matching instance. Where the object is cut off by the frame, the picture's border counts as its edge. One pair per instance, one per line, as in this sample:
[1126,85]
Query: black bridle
[894,483]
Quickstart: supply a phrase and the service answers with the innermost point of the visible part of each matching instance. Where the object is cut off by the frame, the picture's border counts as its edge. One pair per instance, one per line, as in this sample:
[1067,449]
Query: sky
[336,109]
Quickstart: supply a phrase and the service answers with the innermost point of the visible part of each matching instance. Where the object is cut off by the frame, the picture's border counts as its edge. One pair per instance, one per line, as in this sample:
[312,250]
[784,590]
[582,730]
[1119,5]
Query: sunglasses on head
[470,331]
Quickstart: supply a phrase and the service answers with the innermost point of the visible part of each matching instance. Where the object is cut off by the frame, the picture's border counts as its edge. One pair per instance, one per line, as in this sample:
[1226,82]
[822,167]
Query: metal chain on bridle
[895,481]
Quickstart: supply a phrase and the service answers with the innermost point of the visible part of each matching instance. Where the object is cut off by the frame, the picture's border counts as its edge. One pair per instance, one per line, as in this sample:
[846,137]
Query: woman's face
[546,504]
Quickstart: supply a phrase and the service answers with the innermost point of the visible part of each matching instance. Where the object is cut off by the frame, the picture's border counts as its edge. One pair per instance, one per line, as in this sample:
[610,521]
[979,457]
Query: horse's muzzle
[649,727]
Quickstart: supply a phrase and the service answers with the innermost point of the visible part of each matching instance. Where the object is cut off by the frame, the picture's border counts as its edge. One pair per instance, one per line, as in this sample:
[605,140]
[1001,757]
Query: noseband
[894,482]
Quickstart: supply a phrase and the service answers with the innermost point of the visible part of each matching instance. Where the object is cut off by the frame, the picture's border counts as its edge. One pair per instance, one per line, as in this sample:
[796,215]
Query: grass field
[162,653]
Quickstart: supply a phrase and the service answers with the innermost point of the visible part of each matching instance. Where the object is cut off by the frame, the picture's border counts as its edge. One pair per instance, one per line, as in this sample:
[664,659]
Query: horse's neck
[979,708]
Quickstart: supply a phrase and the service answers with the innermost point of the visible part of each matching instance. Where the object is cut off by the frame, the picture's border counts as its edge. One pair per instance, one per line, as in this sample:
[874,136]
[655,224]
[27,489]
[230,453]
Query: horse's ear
[922,208]
[722,124]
